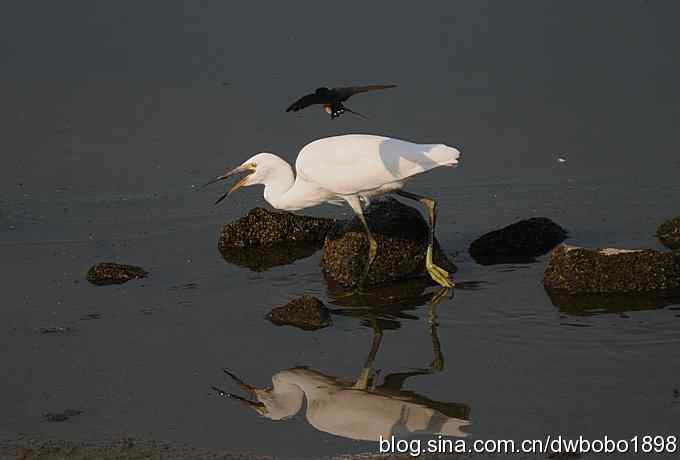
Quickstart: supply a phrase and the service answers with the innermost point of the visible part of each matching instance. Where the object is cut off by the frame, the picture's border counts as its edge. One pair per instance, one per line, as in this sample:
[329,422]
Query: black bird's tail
[347,109]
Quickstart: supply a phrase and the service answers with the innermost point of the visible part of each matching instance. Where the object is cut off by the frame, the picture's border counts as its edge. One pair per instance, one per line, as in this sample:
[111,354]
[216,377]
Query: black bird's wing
[342,94]
[306,101]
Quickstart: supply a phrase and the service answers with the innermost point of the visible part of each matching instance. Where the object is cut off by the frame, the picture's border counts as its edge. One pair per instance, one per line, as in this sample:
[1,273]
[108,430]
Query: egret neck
[278,180]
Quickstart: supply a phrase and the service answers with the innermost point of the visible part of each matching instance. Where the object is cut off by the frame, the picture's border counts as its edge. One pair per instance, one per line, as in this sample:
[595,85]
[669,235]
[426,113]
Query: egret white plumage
[350,168]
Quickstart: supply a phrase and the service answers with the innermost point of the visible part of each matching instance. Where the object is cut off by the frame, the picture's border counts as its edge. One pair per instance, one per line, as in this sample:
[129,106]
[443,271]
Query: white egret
[350,168]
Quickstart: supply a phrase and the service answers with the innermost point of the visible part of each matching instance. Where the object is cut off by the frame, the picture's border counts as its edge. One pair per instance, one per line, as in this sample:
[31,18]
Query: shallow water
[106,139]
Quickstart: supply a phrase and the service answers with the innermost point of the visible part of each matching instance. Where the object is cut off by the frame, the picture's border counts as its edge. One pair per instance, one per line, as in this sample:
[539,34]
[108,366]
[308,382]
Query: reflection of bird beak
[259,407]
[249,388]
[241,169]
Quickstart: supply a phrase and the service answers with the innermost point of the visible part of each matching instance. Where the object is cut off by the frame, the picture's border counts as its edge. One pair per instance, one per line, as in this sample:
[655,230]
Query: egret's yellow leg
[437,273]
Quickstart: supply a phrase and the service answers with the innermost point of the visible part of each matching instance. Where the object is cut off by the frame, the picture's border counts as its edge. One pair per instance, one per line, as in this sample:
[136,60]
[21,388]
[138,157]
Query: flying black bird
[332,99]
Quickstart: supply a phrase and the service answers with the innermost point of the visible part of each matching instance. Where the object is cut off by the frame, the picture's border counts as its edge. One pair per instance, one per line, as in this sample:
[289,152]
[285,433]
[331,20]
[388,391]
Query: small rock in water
[261,227]
[111,273]
[61,416]
[576,270]
[305,312]
[669,233]
[402,236]
[520,242]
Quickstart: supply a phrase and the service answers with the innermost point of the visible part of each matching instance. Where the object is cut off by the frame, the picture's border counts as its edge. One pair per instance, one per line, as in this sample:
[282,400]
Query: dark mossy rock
[110,273]
[520,242]
[576,270]
[305,312]
[260,259]
[669,233]
[261,227]
[402,236]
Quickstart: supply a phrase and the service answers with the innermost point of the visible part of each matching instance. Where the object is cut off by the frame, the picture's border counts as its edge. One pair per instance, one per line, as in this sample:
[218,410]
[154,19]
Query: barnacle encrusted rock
[305,312]
[669,233]
[402,236]
[518,242]
[576,270]
[261,227]
[112,273]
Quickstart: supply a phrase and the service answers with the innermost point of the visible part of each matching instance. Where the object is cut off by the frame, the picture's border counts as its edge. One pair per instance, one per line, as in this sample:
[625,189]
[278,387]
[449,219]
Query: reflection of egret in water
[384,306]
[360,409]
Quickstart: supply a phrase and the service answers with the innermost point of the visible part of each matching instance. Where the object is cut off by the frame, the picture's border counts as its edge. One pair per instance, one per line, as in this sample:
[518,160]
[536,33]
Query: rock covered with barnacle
[112,273]
[402,236]
[306,312]
[261,227]
[577,270]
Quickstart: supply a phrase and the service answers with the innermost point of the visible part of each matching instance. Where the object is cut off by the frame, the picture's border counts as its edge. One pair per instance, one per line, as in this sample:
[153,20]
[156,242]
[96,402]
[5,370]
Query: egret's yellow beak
[249,169]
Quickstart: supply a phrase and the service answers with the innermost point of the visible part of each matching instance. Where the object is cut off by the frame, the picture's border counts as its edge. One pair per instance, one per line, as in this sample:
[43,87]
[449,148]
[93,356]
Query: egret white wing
[356,163]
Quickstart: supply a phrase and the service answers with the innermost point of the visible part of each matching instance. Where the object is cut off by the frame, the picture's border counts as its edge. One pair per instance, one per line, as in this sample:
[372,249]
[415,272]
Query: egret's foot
[438,274]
